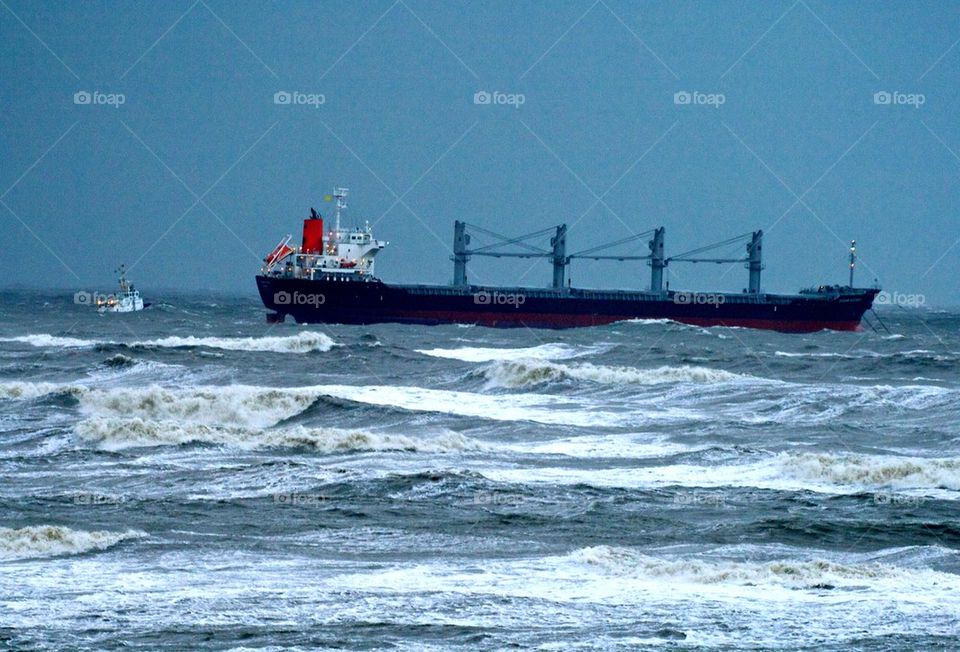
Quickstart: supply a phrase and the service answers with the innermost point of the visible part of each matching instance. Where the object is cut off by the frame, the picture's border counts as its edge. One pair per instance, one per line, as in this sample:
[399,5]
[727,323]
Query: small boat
[126,300]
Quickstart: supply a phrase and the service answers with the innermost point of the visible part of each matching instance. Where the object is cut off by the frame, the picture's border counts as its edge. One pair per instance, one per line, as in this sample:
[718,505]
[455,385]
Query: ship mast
[853,259]
[341,195]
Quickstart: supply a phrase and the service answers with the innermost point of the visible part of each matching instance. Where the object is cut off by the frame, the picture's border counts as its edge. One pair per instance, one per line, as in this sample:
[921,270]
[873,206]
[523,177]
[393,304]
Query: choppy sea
[191,477]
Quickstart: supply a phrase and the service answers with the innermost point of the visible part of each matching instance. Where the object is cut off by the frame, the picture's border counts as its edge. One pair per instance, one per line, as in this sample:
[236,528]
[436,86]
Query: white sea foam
[787,573]
[302,342]
[918,354]
[46,340]
[538,408]
[525,373]
[649,321]
[482,354]
[261,407]
[613,446]
[25,390]
[617,575]
[242,405]
[788,471]
[50,540]
[872,471]
[118,434]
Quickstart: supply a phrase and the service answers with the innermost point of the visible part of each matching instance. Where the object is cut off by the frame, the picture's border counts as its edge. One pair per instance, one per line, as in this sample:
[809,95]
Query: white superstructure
[338,253]
[126,300]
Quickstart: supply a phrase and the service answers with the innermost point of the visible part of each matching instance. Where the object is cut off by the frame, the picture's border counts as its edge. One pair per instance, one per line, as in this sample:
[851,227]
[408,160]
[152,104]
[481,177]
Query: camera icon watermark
[699,299]
[84,298]
[696,98]
[901,299]
[499,98]
[296,98]
[98,499]
[497,498]
[284,298]
[96,98]
[484,298]
[896,98]
[300,500]
[898,500]
[690,498]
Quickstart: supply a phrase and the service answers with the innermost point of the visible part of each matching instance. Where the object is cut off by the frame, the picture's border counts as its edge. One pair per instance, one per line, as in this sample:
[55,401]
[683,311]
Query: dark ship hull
[341,301]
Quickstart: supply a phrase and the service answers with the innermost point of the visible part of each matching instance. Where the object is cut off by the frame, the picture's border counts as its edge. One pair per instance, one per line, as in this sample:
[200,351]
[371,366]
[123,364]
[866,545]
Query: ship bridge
[341,254]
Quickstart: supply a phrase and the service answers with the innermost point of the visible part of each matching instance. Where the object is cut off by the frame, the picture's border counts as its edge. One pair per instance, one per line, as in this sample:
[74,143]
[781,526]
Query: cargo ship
[330,278]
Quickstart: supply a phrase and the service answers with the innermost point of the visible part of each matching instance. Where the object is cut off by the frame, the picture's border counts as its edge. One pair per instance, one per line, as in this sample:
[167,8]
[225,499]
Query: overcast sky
[149,133]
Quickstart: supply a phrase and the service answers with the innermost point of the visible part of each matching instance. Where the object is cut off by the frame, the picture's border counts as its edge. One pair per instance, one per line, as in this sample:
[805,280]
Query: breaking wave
[873,471]
[793,574]
[481,354]
[915,355]
[51,540]
[117,434]
[303,342]
[242,405]
[43,339]
[526,373]
[25,391]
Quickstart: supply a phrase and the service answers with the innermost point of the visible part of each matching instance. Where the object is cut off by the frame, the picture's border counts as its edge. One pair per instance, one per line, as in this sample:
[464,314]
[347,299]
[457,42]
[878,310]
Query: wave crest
[303,342]
[526,373]
[874,471]
[789,573]
[51,540]
[485,354]
[243,405]
[117,434]
[24,391]
[44,339]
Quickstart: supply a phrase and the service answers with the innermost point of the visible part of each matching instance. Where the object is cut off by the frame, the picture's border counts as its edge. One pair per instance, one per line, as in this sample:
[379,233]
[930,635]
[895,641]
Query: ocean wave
[243,405]
[607,446]
[526,373]
[51,540]
[482,354]
[25,391]
[120,361]
[117,434]
[638,320]
[46,340]
[787,573]
[538,408]
[302,342]
[873,471]
[914,355]
[786,471]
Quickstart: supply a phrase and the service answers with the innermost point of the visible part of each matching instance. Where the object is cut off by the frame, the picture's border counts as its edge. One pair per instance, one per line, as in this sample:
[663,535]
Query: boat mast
[853,259]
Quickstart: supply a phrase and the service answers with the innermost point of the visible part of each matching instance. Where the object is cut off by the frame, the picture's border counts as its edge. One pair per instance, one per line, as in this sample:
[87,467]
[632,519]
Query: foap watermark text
[97,98]
[896,98]
[696,98]
[516,100]
[900,299]
[698,298]
[485,298]
[283,298]
[296,98]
